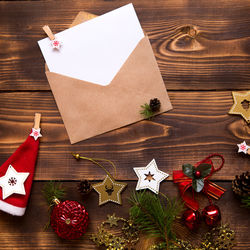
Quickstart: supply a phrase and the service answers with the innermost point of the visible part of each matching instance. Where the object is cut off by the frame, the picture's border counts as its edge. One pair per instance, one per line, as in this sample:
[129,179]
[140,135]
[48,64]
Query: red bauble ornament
[191,219]
[211,215]
[69,219]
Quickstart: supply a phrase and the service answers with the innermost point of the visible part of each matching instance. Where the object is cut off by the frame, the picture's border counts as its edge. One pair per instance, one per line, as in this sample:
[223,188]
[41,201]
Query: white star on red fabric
[36,133]
[56,44]
[243,147]
[13,182]
[150,177]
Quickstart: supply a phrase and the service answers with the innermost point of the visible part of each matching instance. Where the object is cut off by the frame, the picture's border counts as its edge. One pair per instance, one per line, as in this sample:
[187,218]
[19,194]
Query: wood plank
[198,125]
[27,232]
[198,46]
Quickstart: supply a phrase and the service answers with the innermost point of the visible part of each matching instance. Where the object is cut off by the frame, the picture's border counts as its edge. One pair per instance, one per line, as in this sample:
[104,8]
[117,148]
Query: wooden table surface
[203,51]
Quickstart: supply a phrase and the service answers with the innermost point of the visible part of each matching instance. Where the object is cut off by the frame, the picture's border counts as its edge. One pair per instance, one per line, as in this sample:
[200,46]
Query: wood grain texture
[27,232]
[198,125]
[198,45]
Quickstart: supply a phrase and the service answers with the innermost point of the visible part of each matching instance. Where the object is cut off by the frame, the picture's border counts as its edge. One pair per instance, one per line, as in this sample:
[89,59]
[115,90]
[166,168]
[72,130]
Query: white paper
[95,50]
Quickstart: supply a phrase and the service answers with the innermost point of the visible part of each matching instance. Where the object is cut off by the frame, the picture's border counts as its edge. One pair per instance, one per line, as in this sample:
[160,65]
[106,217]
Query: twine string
[97,161]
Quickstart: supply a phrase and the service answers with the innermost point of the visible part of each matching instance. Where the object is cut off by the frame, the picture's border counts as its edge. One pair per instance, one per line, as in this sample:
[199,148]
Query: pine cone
[241,185]
[155,105]
[84,187]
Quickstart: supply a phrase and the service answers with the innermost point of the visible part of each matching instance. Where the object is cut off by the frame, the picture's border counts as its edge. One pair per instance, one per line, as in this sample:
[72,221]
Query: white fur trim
[11,209]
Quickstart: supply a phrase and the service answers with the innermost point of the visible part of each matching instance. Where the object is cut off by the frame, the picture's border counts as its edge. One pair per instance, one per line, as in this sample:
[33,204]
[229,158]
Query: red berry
[197,174]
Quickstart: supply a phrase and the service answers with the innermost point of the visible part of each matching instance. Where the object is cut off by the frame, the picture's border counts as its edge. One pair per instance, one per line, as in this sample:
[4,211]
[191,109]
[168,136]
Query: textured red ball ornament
[69,219]
[191,219]
[211,215]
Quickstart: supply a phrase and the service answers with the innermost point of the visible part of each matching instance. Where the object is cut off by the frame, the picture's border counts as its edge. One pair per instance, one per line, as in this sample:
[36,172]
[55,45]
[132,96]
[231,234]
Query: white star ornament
[36,133]
[150,177]
[243,147]
[13,182]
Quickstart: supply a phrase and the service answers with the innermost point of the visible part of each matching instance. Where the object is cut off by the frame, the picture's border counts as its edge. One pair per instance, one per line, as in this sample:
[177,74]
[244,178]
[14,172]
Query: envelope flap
[141,63]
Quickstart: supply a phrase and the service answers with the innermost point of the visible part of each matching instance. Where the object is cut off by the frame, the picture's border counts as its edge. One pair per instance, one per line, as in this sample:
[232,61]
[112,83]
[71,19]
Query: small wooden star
[109,190]
[112,220]
[238,108]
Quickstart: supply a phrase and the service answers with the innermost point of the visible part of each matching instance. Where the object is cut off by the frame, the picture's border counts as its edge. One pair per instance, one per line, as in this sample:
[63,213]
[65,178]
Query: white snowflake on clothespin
[36,133]
[55,43]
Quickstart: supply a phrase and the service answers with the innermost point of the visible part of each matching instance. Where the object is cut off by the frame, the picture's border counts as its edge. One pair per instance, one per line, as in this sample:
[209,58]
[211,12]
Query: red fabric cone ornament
[16,174]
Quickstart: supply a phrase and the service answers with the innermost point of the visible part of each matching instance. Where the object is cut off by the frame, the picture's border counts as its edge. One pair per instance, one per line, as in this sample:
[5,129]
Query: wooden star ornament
[109,190]
[239,108]
[150,177]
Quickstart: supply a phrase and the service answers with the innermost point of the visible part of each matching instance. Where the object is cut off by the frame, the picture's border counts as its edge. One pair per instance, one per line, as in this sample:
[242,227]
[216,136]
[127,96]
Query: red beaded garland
[211,215]
[69,219]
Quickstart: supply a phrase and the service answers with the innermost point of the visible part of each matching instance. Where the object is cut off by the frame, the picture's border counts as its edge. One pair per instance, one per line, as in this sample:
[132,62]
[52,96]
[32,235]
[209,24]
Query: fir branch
[146,111]
[155,216]
[52,190]
[246,201]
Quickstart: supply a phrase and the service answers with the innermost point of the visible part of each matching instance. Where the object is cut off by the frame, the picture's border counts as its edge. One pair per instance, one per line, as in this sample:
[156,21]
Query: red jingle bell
[69,219]
[211,215]
[191,219]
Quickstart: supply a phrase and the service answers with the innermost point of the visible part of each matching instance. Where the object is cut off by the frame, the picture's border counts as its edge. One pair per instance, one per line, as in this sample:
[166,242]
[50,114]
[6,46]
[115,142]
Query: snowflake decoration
[12,181]
[56,44]
[243,147]
[36,133]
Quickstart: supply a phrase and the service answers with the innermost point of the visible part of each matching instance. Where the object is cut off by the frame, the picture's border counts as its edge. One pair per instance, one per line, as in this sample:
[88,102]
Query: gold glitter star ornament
[109,190]
[239,108]
[112,220]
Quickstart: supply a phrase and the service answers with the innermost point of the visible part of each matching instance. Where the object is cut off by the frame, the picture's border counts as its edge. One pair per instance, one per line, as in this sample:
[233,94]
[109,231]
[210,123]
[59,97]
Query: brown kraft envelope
[89,109]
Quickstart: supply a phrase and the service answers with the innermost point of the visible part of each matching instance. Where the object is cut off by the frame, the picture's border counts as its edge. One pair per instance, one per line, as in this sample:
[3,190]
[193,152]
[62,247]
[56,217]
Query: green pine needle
[246,201]
[155,216]
[146,111]
[53,190]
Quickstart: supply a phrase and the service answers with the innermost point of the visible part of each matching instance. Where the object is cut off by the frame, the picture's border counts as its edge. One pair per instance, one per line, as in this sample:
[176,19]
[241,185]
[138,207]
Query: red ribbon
[210,189]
